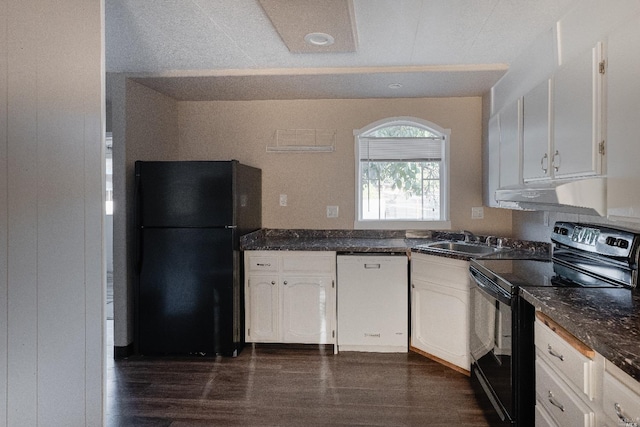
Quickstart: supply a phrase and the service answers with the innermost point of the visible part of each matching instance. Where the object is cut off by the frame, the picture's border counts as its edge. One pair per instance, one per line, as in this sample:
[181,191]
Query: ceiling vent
[311,26]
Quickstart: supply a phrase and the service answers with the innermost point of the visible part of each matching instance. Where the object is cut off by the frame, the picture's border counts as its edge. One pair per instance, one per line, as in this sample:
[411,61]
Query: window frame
[444,223]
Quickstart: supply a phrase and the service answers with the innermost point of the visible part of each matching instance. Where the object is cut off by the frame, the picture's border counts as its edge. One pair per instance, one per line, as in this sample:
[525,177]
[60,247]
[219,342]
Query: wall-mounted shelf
[303,140]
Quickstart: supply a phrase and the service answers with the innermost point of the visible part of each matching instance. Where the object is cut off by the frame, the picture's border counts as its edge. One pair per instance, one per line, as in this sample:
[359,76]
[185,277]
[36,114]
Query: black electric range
[501,343]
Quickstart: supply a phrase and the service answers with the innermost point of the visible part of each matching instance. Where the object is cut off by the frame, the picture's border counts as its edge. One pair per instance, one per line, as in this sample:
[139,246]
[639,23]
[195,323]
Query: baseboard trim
[440,361]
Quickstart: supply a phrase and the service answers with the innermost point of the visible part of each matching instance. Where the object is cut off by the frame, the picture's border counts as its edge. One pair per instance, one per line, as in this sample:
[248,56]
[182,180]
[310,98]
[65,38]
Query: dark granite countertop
[333,240]
[607,320]
[366,241]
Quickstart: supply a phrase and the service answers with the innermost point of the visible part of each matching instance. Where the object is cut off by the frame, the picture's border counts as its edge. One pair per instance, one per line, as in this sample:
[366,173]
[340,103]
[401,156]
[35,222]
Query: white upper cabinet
[623,122]
[577,115]
[554,131]
[536,136]
[510,132]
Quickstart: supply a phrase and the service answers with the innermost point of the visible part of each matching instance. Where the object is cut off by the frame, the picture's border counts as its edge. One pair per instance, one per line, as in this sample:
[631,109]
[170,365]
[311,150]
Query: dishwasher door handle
[372,266]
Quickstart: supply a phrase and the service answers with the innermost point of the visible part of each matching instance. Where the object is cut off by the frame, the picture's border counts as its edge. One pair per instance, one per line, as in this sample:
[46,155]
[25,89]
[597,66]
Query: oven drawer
[576,367]
[560,401]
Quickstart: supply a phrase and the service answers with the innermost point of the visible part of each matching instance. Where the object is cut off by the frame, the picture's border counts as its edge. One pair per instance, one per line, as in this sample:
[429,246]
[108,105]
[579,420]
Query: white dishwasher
[373,303]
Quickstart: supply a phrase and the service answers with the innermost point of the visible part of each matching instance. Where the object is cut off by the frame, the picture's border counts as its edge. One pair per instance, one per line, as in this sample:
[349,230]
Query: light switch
[283,200]
[332,212]
[477,213]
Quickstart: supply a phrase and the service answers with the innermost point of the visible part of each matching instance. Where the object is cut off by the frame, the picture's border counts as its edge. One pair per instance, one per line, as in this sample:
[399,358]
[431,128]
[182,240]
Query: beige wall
[52,280]
[242,129]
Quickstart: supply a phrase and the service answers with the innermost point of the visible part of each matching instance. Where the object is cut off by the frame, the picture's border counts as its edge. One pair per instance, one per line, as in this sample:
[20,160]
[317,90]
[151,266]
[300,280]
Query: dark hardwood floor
[275,386]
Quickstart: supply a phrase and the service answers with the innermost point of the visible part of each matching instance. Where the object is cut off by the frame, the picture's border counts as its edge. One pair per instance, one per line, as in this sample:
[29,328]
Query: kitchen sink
[464,248]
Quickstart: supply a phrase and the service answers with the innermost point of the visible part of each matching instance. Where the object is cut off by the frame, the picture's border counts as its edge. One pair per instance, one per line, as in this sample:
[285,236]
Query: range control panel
[595,238]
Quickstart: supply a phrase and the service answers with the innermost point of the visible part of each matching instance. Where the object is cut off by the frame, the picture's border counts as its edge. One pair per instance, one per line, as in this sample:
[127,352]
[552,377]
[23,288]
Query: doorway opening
[108,222]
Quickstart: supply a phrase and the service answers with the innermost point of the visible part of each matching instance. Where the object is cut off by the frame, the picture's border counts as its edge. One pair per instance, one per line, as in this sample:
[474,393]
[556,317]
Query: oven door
[490,344]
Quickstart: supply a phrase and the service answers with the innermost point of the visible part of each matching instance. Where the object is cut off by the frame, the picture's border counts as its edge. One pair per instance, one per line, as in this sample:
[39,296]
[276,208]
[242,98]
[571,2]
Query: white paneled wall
[52,277]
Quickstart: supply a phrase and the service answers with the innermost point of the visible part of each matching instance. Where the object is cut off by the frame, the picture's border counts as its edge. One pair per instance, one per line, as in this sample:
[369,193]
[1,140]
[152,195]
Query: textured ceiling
[229,49]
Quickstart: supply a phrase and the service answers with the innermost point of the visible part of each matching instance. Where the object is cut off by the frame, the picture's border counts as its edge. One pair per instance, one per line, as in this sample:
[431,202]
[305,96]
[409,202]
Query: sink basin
[464,248]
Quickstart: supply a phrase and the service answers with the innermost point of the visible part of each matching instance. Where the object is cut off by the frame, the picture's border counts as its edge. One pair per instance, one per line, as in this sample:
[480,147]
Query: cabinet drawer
[308,262]
[619,402]
[543,419]
[262,263]
[577,368]
[564,405]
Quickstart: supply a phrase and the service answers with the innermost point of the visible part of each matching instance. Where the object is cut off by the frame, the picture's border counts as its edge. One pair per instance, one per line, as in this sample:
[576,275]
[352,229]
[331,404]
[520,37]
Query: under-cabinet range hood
[585,196]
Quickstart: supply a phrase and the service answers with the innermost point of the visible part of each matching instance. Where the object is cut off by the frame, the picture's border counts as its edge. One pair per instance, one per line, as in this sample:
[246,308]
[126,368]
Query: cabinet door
[308,310]
[577,116]
[262,311]
[623,122]
[536,133]
[510,130]
[439,322]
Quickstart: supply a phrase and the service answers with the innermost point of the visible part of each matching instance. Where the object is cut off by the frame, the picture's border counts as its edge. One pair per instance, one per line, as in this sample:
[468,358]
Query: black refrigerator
[189,216]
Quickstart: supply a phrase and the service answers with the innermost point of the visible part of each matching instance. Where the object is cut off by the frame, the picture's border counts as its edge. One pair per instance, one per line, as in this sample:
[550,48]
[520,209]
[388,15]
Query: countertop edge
[589,322]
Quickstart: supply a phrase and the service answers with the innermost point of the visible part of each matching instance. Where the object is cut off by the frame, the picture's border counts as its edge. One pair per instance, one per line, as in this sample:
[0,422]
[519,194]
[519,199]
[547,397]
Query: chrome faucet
[488,240]
[468,236]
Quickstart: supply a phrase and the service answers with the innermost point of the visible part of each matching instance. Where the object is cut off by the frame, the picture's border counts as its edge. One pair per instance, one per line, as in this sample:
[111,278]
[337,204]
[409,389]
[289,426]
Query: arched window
[402,170]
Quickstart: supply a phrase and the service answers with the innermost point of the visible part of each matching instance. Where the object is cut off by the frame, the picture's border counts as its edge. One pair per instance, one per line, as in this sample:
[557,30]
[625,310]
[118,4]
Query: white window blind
[407,149]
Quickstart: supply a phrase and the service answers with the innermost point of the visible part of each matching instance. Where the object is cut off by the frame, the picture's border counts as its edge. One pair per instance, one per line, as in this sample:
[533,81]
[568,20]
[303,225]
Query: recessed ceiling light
[319,39]
[395,85]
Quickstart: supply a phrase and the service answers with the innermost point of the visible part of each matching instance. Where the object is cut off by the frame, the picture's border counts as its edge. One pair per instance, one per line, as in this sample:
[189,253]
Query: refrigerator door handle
[231,226]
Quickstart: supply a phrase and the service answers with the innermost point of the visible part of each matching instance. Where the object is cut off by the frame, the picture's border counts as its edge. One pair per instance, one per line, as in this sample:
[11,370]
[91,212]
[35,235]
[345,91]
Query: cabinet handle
[263,265]
[542,163]
[285,282]
[556,160]
[554,402]
[273,282]
[628,422]
[554,353]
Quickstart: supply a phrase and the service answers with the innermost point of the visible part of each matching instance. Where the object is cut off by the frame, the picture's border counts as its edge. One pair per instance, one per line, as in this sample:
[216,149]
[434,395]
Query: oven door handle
[490,288]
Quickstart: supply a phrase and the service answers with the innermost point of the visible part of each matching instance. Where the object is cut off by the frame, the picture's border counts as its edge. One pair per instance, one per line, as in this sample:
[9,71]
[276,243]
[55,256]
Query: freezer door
[185,292]
[184,194]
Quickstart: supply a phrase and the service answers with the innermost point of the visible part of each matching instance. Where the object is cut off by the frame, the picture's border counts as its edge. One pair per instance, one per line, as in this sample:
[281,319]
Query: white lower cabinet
[620,398]
[575,386]
[568,378]
[308,308]
[261,309]
[290,297]
[440,289]
[543,419]
[557,398]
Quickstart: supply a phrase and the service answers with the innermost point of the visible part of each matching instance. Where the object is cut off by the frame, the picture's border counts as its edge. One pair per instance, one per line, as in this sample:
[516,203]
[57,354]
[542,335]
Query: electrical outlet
[477,212]
[332,212]
[283,200]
